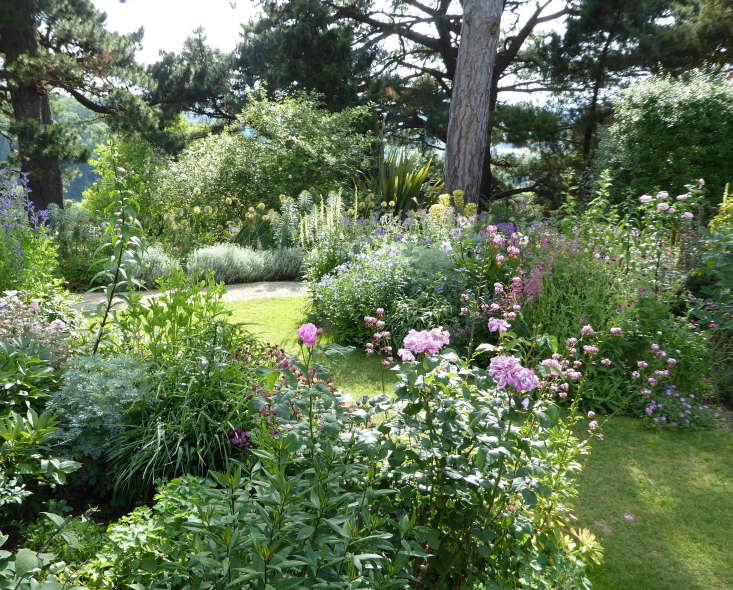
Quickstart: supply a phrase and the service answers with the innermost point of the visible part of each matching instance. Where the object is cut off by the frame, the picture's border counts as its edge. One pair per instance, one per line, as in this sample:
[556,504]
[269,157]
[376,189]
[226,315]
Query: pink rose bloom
[440,336]
[497,325]
[555,368]
[591,414]
[406,356]
[592,425]
[499,258]
[307,334]
[586,330]
[687,215]
[512,251]
[606,362]
[416,342]
[615,331]
[506,370]
[645,198]
[662,206]
[498,288]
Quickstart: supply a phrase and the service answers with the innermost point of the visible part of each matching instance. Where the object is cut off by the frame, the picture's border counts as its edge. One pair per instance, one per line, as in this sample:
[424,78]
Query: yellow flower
[444,199]
[197,191]
[261,206]
[471,209]
[437,210]
[384,203]
[282,198]
[196,210]
[458,198]
[251,210]
[228,201]
[392,203]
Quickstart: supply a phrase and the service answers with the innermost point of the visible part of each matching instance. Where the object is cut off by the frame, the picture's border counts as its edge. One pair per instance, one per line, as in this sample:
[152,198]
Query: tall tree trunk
[31,108]
[469,108]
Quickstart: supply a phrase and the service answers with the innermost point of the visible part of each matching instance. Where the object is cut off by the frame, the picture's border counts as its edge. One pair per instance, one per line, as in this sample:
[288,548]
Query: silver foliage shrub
[234,264]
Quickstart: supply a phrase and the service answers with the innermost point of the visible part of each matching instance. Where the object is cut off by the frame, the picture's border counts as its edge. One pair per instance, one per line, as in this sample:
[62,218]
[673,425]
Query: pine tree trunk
[31,108]
[468,129]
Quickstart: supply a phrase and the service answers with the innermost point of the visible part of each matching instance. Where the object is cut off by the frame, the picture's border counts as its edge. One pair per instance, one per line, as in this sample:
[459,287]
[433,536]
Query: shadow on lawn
[677,487]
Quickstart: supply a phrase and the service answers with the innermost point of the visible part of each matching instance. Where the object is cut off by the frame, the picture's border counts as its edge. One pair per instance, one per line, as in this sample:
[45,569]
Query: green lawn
[276,320]
[678,486]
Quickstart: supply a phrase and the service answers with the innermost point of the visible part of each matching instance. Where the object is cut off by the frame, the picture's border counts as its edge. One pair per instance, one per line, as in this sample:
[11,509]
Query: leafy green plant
[26,459]
[28,569]
[142,162]
[119,256]
[27,374]
[401,180]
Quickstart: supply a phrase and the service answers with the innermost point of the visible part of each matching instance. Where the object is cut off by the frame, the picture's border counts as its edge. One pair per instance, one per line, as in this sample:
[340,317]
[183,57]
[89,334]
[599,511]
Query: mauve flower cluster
[273,356]
[507,370]
[20,320]
[423,342]
[659,202]
[382,338]
[241,439]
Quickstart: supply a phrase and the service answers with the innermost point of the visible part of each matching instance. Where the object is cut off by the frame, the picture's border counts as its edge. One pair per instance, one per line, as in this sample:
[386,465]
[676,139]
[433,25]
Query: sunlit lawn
[678,486]
[276,320]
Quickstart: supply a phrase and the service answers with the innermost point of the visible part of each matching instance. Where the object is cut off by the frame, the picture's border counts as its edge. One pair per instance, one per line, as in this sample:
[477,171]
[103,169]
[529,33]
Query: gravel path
[238,292]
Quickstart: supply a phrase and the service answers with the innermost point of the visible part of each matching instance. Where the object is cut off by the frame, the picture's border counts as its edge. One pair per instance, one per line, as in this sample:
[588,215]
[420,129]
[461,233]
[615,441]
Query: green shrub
[199,371]
[668,131]
[646,324]
[78,235]
[27,457]
[142,162]
[198,398]
[276,147]
[34,341]
[231,264]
